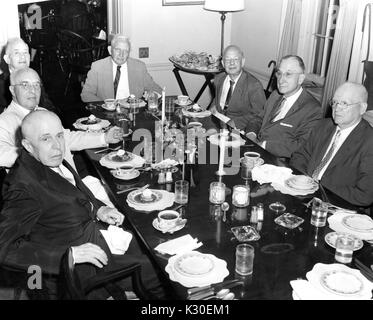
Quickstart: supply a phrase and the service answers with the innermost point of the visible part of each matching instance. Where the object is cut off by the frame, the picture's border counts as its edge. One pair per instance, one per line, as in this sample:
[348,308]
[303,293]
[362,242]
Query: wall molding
[160,66]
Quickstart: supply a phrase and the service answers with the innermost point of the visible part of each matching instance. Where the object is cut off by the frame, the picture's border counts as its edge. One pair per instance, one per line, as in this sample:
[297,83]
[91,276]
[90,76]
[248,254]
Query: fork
[108,149]
[134,188]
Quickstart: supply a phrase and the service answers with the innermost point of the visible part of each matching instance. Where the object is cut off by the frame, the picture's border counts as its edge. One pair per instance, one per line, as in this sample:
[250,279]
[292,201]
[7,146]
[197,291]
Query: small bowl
[110,104]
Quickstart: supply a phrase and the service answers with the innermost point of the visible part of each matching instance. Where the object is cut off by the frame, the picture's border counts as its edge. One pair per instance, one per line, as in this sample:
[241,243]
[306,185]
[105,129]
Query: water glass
[153,102]
[319,213]
[241,196]
[170,106]
[244,259]
[246,168]
[217,192]
[344,247]
[181,191]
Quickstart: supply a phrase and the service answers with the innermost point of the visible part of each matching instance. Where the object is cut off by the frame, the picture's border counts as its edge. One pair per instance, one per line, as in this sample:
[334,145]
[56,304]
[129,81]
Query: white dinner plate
[136,197]
[358,222]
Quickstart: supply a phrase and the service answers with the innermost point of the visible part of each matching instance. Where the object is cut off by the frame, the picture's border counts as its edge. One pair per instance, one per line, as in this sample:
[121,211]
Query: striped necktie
[229,95]
[277,110]
[116,81]
[327,156]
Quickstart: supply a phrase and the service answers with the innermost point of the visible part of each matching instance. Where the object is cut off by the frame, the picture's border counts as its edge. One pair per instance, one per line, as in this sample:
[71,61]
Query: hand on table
[110,215]
[114,135]
[90,253]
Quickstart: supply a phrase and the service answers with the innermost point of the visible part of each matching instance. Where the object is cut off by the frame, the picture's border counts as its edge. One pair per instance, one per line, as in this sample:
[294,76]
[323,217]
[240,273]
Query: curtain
[341,51]
[290,32]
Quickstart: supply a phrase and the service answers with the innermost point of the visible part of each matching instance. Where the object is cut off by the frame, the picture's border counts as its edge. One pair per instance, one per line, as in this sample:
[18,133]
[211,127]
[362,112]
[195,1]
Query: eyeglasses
[343,105]
[29,86]
[234,60]
[286,74]
[118,51]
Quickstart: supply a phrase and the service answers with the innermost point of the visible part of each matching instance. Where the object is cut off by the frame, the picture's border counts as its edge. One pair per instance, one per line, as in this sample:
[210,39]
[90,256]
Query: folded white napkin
[179,245]
[117,239]
[268,173]
[97,189]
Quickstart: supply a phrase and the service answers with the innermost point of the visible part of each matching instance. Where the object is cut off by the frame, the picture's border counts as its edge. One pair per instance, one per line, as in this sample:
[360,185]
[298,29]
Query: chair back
[82,24]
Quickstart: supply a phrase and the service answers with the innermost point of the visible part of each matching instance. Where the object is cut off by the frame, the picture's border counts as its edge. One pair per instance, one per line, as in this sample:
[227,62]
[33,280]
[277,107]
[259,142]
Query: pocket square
[286,125]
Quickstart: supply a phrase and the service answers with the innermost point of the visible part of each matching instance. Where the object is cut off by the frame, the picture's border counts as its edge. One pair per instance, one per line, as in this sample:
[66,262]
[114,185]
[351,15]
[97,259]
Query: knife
[211,286]
[212,291]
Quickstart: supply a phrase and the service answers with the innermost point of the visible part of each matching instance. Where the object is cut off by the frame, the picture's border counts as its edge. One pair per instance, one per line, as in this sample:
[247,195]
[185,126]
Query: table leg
[180,82]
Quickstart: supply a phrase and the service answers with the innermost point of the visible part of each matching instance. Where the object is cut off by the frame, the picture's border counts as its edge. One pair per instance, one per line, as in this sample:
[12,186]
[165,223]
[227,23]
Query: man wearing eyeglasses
[25,88]
[118,76]
[17,56]
[238,94]
[339,151]
[289,113]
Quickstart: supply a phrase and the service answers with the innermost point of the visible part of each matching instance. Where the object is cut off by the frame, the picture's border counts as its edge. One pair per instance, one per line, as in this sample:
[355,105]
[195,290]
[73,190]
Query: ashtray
[289,220]
[245,233]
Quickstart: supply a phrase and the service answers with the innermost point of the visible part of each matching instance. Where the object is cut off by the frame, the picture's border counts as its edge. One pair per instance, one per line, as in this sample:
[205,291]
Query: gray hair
[16,75]
[297,59]
[120,38]
[233,47]
[11,43]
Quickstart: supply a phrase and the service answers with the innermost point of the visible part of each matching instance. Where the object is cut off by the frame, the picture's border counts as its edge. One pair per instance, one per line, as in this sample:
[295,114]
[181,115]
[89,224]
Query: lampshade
[224,5]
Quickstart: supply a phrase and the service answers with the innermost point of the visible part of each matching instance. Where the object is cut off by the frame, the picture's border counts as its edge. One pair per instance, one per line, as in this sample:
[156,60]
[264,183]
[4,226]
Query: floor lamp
[224,6]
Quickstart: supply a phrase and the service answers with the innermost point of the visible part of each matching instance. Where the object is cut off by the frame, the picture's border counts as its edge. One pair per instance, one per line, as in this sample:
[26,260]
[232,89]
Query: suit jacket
[10,137]
[246,103]
[350,173]
[99,84]
[43,215]
[285,136]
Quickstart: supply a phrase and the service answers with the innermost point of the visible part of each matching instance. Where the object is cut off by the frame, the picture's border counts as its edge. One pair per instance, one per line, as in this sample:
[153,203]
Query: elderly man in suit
[17,56]
[48,209]
[117,76]
[289,113]
[238,94]
[339,151]
[26,88]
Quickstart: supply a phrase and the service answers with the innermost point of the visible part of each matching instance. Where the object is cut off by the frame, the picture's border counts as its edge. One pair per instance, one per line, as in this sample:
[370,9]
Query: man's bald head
[43,137]
[17,54]
[25,88]
[349,104]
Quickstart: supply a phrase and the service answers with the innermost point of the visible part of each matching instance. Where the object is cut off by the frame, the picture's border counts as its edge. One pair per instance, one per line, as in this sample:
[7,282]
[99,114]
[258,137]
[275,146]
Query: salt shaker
[161,178]
[254,215]
[169,176]
[260,211]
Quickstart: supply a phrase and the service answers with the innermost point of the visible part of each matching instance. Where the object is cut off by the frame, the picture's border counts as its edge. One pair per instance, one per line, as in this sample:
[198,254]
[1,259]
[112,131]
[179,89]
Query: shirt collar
[290,100]
[21,109]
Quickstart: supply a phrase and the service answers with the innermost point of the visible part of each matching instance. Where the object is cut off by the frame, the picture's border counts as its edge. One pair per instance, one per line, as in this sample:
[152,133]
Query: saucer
[131,176]
[258,163]
[331,239]
[183,104]
[103,106]
[177,228]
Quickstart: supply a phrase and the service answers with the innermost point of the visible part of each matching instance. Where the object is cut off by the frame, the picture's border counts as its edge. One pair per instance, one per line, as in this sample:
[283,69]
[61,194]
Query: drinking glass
[246,168]
[319,213]
[244,259]
[241,196]
[181,191]
[217,192]
[344,247]
[153,102]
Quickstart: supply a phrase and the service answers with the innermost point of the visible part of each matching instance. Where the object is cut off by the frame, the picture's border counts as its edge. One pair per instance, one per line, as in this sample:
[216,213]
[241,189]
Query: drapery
[341,51]
[290,32]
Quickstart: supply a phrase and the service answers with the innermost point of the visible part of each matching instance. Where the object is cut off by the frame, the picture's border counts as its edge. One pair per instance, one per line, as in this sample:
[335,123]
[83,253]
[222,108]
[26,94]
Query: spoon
[225,207]
[229,296]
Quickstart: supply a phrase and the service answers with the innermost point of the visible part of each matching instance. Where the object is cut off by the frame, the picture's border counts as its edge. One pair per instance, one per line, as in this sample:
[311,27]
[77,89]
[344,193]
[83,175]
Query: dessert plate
[331,239]
[114,157]
[194,264]
[341,282]
[136,197]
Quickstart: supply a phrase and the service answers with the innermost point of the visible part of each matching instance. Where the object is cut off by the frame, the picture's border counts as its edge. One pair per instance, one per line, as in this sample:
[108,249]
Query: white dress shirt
[123,90]
[225,89]
[343,136]
[65,173]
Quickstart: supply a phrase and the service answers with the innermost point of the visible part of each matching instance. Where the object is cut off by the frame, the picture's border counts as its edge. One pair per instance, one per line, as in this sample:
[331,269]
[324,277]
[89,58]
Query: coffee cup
[182,99]
[252,157]
[110,104]
[123,172]
[168,219]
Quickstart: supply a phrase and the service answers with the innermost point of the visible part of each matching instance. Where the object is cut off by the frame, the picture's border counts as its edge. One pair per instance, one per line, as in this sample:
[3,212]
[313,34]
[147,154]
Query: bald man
[238,94]
[339,151]
[25,88]
[47,209]
[118,75]
[17,56]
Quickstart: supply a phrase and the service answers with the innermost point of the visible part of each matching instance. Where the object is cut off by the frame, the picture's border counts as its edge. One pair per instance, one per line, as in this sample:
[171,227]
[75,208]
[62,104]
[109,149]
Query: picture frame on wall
[181,2]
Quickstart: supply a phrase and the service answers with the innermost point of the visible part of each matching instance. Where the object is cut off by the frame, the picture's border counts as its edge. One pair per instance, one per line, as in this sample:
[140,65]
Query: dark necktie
[327,156]
[229,95]
[276,111]
[116,81]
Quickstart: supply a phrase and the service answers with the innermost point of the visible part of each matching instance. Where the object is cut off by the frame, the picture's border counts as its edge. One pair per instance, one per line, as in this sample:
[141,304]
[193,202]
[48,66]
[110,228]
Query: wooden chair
[78,54]
[72,288]
[82,24]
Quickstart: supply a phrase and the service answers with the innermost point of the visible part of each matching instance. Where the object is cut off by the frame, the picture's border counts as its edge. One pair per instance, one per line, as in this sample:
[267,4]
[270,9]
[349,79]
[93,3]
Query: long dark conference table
[281,254]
